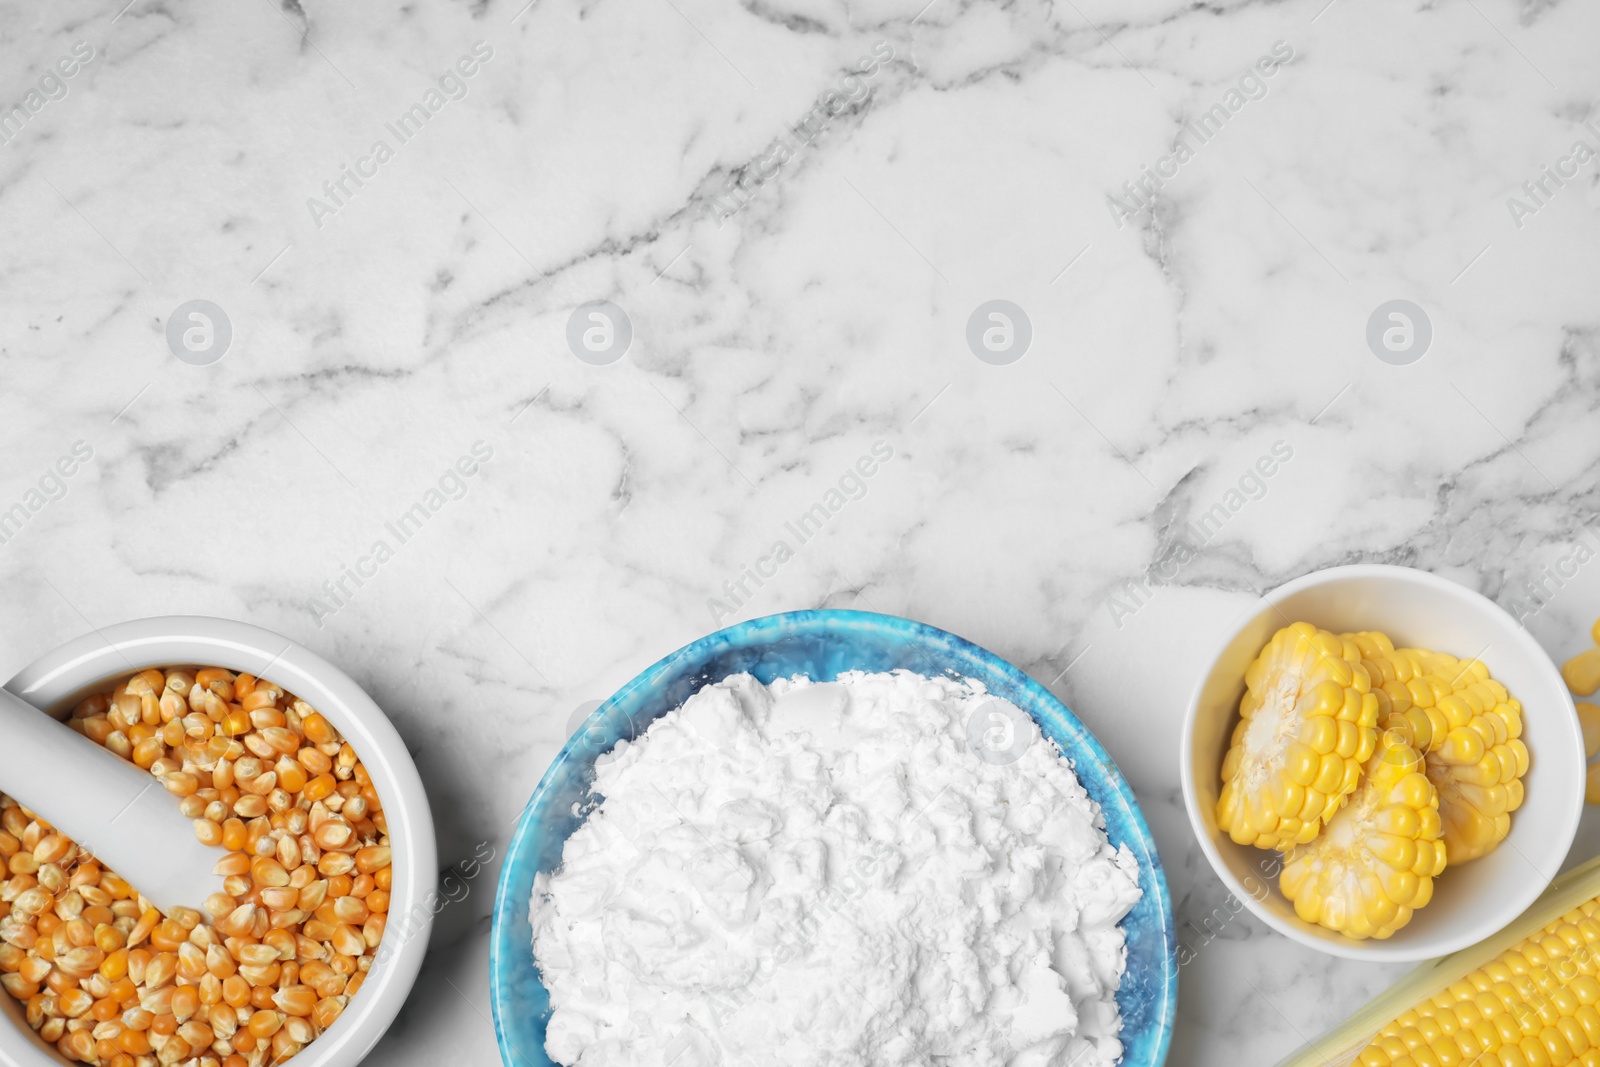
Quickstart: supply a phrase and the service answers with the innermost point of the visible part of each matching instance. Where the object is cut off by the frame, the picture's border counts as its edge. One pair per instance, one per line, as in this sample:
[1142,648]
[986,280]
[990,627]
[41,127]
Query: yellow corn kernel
[147,681]
[1375,861]
[250,806]
[1582,672]
[291,773]
[218,680]
[317,729]
[146,752]
[327,1011]
[142,929]
[373,858]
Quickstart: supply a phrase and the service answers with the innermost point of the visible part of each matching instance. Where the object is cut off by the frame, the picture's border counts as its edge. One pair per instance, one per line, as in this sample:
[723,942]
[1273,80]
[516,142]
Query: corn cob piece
[1527,997]
[1307,722]
[1374,863]
[1468,727]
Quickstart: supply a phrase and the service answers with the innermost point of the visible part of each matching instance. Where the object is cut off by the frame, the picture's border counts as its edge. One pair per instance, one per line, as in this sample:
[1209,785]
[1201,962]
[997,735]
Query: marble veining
[798,206]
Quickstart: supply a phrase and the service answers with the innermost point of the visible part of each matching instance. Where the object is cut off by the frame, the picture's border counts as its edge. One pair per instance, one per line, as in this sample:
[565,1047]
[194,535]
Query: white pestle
[120,813]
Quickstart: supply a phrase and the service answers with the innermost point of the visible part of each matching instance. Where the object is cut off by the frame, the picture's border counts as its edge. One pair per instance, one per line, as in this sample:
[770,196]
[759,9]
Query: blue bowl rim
[824,618]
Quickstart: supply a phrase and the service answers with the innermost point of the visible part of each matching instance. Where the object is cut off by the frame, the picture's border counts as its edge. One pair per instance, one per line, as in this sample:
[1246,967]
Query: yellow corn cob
[1468,727]
[1375,861]
[1527,997]
[1307,722]
[1533,1006]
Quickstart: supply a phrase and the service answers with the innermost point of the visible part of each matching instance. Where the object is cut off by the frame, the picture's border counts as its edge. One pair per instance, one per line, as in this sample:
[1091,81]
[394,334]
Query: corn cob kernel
[1306,724]
[1374,863]
[1582,672]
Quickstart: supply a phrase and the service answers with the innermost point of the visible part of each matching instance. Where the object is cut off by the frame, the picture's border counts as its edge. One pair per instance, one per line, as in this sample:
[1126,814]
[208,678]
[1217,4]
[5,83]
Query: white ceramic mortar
[60,678]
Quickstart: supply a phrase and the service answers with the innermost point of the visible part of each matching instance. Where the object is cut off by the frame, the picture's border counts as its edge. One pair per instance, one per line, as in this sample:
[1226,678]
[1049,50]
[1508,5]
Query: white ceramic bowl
[1419,610]
[58,679]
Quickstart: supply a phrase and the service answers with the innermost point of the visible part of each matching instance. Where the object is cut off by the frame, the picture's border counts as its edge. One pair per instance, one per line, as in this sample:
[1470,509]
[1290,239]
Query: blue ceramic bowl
[821,645]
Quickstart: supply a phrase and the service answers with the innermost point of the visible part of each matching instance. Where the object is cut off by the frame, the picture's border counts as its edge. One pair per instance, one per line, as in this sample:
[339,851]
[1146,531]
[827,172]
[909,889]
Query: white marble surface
[585,161]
